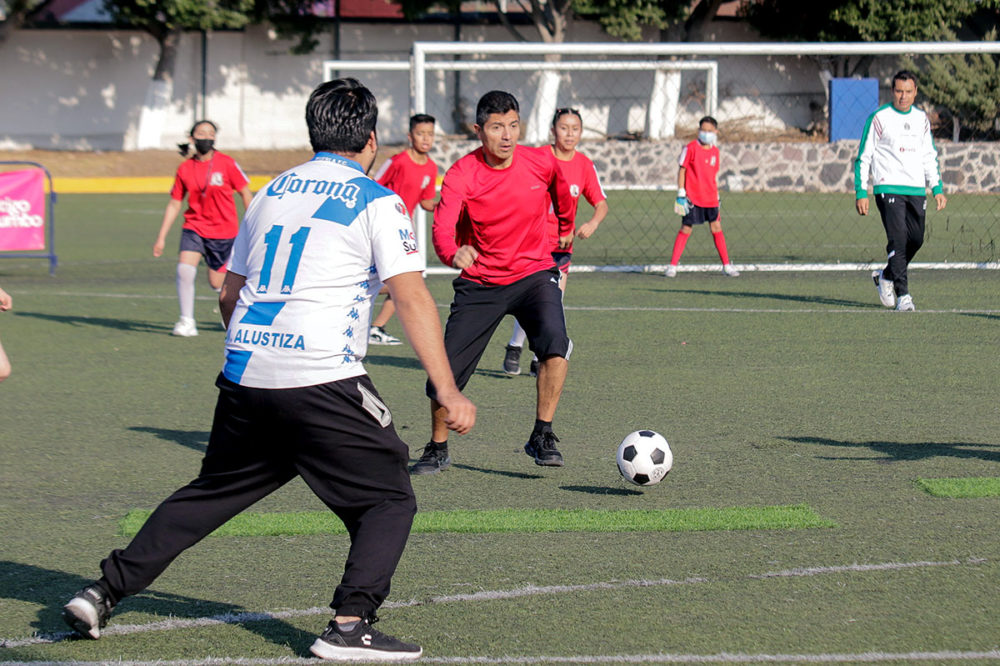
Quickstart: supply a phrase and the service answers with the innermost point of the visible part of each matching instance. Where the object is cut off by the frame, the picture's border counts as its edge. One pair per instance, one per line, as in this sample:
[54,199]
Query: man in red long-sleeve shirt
[492,222]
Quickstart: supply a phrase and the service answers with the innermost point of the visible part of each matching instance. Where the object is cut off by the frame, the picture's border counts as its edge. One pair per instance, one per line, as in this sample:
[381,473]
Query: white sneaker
[730,270]
[671,271]
[886,289]
[378,336]
[905,304]
[185,328]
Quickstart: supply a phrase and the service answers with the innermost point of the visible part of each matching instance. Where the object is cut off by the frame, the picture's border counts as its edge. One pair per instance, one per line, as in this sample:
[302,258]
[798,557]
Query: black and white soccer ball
[644,458]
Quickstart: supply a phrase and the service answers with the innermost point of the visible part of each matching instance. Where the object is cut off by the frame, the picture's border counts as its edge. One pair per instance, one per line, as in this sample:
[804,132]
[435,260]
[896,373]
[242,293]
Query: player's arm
[6,302]
[428,204]
[863,164]
[446,216]
[169,215]
[418,313]
[931,170]
[587,229]
[595,196]
[229,296]
[682,205]
[562,203]
[247,196]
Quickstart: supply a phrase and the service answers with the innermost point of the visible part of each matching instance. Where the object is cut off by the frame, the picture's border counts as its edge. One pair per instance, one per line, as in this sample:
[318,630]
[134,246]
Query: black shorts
[699,215]
[215,250]
[536,302]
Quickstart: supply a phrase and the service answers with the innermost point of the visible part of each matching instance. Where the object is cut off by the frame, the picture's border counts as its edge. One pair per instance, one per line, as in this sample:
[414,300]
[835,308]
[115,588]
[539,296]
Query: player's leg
[512,355]
[719,238]
[377,335]
[539,307]
[217,253]
[892,208]
[245,461]
[347,450]
[476,311]
[916,210]
[680,242]
[4,364]
[192,249]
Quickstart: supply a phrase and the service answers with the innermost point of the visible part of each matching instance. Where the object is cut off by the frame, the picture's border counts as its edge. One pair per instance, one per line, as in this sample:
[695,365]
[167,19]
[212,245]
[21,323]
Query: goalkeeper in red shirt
[698,195]
[492,222]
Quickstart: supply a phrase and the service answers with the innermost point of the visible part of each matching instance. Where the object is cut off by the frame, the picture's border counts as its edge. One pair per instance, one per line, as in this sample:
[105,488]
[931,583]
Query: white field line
[484,595]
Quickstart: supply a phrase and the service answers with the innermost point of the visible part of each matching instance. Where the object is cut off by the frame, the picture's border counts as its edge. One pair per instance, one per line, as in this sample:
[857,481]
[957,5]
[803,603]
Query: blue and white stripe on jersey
[314,247]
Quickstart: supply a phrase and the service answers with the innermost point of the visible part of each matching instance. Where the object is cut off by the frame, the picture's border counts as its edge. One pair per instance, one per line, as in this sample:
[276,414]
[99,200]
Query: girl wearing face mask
[208,179]
[698,195]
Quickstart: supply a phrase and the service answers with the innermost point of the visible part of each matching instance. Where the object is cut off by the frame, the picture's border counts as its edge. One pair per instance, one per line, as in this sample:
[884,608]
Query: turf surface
[773,390]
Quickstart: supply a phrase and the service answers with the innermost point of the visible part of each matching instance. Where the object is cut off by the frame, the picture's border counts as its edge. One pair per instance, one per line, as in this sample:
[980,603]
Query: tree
[13,14]
[677,20]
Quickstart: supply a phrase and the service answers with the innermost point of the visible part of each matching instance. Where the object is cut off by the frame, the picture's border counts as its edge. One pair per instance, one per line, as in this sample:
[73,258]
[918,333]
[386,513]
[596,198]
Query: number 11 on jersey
[271,240]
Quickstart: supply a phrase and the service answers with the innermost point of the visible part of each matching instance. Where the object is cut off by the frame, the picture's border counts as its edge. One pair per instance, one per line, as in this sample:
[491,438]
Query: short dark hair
[904,75]
[495,101]
[709,119]
[341,116]
[203,121]
[421,118]
[565,111]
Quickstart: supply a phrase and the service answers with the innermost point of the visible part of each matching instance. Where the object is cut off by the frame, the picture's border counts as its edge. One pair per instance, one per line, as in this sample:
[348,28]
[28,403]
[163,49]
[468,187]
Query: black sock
[439,445]
[542,426]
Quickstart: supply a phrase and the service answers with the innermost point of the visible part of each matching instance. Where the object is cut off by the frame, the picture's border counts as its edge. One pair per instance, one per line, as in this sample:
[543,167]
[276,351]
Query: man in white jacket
[898,150]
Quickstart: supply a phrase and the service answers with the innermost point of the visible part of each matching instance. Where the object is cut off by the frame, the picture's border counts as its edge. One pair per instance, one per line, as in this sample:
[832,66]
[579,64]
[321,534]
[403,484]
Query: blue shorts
[215,250]
[699,215]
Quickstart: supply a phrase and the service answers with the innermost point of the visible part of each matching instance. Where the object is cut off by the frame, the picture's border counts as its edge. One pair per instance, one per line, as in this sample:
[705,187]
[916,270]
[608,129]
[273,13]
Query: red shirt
[411,181]
[701,165]
[209,187]
[503,214]
[581,176]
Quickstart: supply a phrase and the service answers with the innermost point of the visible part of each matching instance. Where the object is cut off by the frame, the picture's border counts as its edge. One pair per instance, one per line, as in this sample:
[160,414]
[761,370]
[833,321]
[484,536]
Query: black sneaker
[512,360]
[434,459]
[363,643]
[542,447]
[534,368]
[88,611]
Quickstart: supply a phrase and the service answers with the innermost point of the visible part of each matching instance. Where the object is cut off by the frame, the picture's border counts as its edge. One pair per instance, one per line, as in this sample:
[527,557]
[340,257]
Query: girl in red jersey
[580,173]
[208,179]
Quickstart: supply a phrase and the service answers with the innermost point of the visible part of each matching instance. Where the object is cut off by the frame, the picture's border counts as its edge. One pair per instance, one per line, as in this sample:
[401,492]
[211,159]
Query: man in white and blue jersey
[294,400]
[898,150]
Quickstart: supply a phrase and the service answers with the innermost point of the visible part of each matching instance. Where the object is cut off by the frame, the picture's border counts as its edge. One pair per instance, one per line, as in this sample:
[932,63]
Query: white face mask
[707,138]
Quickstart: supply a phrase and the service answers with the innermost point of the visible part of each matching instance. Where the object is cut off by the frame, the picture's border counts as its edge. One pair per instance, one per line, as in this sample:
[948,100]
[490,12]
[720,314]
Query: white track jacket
[898,151]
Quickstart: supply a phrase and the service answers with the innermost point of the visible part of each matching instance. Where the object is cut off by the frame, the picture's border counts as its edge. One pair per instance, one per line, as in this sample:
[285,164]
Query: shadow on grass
[982,315]
[196,440]
[898,451]
[409,362]
[50,589]
[495,472]
[118,324]
[601,490]
[757,295]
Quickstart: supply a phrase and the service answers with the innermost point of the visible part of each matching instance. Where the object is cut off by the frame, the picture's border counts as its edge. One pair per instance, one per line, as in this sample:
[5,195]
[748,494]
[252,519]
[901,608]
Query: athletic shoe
[512,360]
[905,304]
[88,611]
[378,336]
[671,271]
[434,459]
[363,643]
[886,289]
[185,328]
[542,447]
[730,270]
[533,369]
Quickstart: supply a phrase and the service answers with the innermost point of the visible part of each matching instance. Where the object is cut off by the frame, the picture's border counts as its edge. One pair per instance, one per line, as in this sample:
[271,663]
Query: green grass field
[774,390]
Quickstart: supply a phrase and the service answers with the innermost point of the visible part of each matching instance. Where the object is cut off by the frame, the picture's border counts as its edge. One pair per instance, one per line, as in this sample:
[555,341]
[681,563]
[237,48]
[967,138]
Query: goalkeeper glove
[682,205]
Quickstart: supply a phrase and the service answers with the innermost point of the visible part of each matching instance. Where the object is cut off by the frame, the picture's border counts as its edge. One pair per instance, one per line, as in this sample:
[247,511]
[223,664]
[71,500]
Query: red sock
[679,243]
[720,245]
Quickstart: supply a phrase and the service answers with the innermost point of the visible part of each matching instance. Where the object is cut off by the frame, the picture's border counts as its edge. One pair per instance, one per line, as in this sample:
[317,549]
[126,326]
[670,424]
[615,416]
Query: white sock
[518,336]
[186,274]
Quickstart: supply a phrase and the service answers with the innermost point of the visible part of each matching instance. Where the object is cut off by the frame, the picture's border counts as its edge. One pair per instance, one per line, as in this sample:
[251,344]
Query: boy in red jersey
[209,180]
[493,223]
[698,195]
[411,174]
[581,175]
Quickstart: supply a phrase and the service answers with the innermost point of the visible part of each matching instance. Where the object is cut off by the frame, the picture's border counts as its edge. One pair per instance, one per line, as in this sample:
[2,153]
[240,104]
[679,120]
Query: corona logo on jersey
[292,184]
[409,241]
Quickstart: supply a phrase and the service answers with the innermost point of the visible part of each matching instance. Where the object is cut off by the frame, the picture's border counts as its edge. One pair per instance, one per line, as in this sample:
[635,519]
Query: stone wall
[766,167]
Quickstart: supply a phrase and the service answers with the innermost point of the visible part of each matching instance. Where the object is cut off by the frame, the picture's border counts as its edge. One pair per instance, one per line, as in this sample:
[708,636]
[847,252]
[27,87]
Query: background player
[411,174]
[898,150]
[581,175]
[698,195]
[209,180]
[294,398]
[493,223]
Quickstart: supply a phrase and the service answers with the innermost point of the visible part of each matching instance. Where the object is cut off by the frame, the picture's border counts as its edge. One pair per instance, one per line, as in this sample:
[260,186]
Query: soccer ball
[644,458]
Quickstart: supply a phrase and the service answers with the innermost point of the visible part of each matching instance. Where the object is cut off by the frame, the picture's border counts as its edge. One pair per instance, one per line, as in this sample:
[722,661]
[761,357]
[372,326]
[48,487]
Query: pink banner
[22,210]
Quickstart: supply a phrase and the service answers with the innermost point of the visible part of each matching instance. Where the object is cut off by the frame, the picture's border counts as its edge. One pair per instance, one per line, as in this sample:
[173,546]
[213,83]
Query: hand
[861,205]
[158,247]
[6,302]
[941,201]
[565,241]
[587,230]
[465,257]
[461,412]
[682,206]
